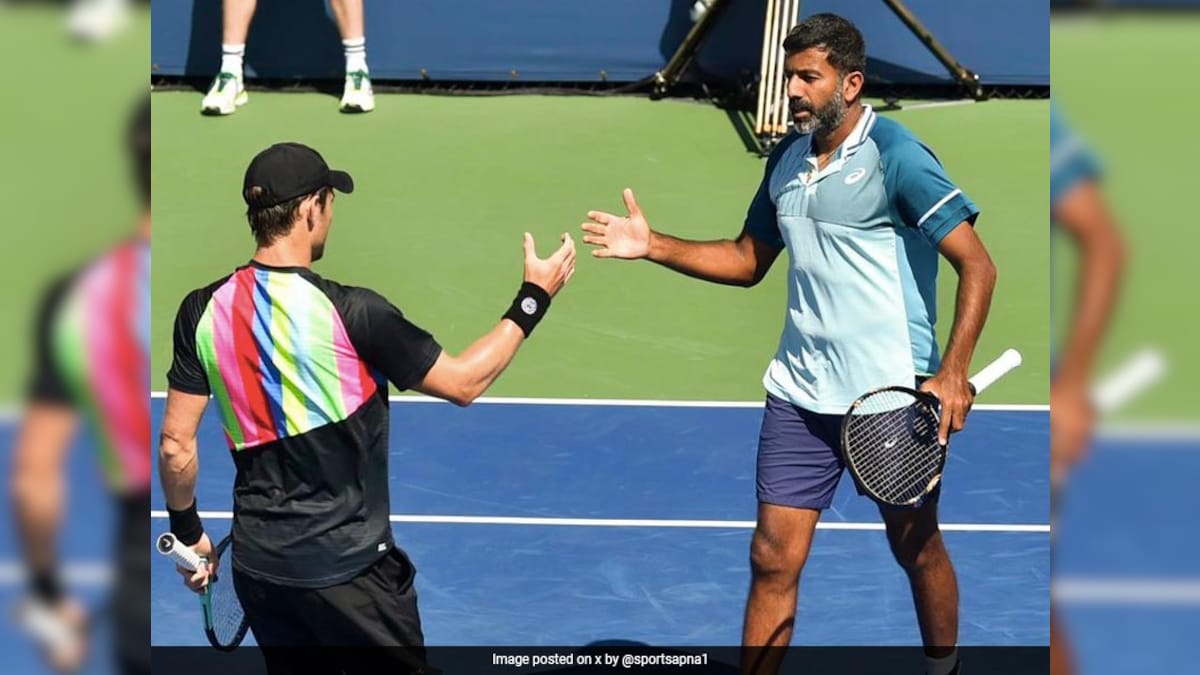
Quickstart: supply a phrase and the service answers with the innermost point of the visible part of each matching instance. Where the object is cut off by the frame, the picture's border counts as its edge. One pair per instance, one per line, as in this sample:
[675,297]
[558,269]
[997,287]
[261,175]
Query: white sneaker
[358,97]
[224,96]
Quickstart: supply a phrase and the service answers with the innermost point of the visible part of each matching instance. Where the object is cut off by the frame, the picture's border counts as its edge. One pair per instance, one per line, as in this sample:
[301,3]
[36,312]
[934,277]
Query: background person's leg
[228,90]
[358,95]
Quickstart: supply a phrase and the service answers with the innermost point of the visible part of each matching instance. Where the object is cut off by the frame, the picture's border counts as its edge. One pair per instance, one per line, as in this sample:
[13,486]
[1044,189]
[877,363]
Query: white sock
[941,666]
[356,54]
[231,59]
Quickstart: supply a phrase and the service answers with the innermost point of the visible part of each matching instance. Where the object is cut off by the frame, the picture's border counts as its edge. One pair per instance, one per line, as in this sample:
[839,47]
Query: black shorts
[370,621]
[131,609]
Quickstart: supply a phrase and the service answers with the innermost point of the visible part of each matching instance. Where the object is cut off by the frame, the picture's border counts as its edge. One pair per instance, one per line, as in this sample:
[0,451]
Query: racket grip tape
[183,555]
[995,370]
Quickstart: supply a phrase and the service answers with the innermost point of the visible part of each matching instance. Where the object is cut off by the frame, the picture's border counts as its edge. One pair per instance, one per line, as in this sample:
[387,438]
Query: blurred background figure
[1078,208]
[228,91]
[75,382]
[1125,558]
[98,20]
[91,364]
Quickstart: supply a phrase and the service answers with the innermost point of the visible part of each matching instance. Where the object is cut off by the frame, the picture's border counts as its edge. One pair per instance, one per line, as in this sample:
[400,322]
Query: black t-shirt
[47,382]
[299,367]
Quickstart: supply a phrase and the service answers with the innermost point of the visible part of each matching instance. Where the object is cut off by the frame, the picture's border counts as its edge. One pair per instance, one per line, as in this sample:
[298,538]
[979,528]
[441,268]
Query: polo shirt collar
[853,143]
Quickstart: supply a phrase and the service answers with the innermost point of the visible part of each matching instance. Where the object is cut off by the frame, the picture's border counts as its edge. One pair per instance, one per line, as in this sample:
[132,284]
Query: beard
[826,118]
[318,251]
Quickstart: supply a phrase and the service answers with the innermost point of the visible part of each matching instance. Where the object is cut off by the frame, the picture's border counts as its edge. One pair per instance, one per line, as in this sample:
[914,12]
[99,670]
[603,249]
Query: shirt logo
[529,306]
[382,548]
[855,176]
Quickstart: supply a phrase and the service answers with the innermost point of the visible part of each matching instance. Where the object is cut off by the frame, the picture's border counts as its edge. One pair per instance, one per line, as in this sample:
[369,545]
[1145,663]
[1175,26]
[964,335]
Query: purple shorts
[800,457]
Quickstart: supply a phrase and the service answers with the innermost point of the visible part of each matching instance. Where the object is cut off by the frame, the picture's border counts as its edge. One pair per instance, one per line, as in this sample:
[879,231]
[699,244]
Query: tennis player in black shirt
[299,367]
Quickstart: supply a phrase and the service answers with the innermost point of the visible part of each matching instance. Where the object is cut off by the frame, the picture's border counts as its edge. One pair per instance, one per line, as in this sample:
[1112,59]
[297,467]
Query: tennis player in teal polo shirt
[1079,210]
[863,209]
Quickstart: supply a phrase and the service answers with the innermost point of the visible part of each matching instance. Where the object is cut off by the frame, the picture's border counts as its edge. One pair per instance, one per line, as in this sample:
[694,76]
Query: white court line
[77,573]
[1129,592]
[1149,432]
[935,104]
[648,403]
[634,522]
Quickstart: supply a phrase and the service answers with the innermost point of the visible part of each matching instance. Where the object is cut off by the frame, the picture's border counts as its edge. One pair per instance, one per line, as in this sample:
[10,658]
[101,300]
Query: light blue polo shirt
[1072,163]
[862,238]
[1071,160]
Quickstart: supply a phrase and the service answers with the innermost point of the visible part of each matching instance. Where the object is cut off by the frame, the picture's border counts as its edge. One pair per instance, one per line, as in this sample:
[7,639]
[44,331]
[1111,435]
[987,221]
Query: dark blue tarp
[1006,42]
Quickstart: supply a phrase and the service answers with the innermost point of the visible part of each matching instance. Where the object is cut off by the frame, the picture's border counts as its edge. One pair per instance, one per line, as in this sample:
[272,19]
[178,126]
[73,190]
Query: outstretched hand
[625,237]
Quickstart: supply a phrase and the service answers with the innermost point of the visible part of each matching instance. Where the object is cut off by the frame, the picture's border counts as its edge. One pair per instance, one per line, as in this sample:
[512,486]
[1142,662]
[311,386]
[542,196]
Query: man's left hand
[954,393]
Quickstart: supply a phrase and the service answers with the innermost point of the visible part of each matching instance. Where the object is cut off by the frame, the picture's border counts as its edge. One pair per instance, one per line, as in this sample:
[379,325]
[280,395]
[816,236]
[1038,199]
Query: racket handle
[183,555]
[995,370]
[1135,376]
[45,626]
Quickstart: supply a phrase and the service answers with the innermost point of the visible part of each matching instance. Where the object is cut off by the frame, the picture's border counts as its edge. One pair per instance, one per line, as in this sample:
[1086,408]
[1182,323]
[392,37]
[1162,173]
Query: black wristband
[46,586]
[529,307]
[185,525]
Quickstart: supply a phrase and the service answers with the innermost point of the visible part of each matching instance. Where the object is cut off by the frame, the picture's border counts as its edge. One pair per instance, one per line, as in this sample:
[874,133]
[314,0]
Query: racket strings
[227,615]
[228,618]
[891,442]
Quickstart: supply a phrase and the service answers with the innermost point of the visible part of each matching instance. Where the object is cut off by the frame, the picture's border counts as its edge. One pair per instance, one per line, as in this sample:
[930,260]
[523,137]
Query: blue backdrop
[590,40]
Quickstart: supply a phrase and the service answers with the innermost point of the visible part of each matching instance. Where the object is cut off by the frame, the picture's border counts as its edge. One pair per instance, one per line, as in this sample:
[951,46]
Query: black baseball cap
[288,170]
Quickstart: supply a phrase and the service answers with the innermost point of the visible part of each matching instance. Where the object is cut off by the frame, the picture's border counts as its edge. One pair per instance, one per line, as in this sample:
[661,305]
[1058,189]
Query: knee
[916,554]
[772,558]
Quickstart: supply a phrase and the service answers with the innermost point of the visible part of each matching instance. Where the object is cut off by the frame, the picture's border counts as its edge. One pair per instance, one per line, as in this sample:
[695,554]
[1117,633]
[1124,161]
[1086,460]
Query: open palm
[615,236]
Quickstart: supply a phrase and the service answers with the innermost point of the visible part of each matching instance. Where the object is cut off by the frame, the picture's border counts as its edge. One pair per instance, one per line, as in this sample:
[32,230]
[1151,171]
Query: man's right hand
[552,273]
[619,237]
[1071,421]
[198,580]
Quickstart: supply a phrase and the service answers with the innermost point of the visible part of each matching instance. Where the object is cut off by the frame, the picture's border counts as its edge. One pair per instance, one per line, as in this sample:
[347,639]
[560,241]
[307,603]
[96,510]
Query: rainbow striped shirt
[299,367]
[93,355]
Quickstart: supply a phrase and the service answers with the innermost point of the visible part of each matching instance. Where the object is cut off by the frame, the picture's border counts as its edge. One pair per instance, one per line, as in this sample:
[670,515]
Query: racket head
[225,622]
[890,445]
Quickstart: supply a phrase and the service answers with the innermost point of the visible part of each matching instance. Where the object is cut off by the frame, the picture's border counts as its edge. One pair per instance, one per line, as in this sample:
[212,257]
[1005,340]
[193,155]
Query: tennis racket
[890,438]
[224,621]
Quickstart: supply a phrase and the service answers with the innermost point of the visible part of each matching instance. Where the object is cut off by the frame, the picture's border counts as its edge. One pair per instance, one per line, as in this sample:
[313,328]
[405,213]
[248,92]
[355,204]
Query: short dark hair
[137,138]
[273,222]
[843,45]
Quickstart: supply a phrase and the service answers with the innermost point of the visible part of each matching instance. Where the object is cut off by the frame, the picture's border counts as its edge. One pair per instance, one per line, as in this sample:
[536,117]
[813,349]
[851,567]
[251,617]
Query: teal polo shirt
[862,237]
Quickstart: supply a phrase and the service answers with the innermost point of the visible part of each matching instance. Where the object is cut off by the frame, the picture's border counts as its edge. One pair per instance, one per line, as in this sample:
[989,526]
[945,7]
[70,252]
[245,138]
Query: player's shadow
[289,40]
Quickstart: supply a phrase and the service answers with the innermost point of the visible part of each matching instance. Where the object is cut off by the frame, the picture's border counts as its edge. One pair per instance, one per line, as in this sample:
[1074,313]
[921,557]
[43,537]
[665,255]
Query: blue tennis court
[1128,558]
[558,523]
